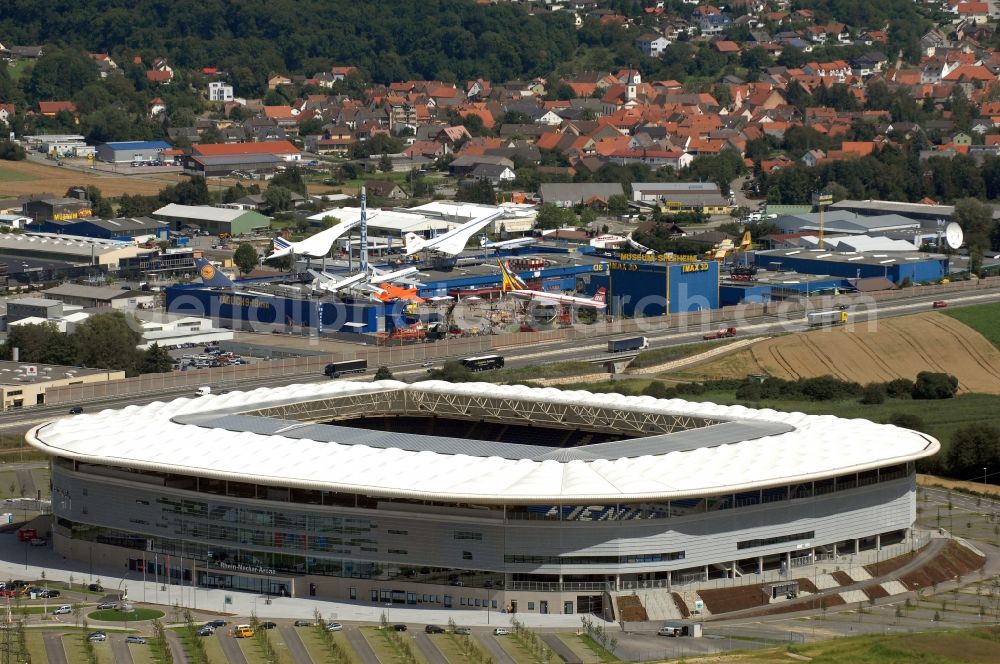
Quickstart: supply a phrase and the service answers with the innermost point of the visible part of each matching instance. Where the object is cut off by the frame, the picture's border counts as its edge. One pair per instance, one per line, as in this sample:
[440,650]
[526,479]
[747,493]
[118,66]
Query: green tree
[973,447]
[478,191]
[383,373]
[291,179]
[155,360]
[931,385]
[245,258]
[42,343]
[278,198]
[11,151]
[976,219]
[108,341]
[385,163]
[551,216]
[618,204]
[60,74]
[100,206]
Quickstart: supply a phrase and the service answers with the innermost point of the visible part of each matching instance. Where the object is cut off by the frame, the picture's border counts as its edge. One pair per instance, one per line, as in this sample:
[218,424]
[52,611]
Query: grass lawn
[254,652]
[981,318]
[649,358]
[974,646]
[385,650]
[518,652]
[448,647]
[8,484]
[75,654]
[33,638]
[587,648]
[317,649]
[114,615]
[554,370]
[19,69]
[9,175]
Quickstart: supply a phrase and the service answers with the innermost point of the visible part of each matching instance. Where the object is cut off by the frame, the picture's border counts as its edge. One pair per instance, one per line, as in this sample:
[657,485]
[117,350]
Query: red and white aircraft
[517,288]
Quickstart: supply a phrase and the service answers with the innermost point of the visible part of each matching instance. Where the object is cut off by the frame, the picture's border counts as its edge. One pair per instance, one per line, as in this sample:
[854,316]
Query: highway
[593,350]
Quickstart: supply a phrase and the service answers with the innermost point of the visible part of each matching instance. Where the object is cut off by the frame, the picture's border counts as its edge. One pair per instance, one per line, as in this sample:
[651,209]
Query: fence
[393,355]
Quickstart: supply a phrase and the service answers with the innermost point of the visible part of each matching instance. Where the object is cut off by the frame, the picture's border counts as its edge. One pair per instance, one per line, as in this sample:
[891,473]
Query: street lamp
[984,477]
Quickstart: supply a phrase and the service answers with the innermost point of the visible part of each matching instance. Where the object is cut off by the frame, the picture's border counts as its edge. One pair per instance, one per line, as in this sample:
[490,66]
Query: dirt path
[978,487]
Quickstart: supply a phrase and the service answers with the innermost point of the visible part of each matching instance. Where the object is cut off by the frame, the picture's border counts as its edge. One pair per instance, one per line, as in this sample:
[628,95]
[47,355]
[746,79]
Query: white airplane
[315,246]
[451,243]
[485,243]
[324,281]
[511,283]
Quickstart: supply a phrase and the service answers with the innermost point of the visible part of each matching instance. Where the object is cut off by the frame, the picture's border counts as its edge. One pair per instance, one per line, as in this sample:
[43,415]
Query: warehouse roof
[53,243]
[199,212]
[202,437]
[139,145]
[861,258]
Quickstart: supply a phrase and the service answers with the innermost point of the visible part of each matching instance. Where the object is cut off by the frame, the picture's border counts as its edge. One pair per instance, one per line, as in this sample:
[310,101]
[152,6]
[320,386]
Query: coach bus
[483,362]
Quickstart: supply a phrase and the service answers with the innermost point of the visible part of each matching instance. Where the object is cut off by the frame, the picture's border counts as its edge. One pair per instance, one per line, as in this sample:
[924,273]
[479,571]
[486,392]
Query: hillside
[897,347]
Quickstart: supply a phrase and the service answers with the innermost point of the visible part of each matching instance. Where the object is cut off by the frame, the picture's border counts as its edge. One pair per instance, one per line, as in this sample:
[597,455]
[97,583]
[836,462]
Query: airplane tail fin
[600,295]
[210,276]
[509,280]
[484,241]
[414,243]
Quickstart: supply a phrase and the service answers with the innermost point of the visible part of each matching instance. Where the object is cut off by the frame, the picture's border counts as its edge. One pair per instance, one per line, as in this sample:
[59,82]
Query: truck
[825,318]
[626,344]
[721,334]
[202,391]
[338,369]
[27,534]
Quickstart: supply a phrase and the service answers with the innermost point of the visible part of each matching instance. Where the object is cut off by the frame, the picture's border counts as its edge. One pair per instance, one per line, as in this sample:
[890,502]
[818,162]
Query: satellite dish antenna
[953,235]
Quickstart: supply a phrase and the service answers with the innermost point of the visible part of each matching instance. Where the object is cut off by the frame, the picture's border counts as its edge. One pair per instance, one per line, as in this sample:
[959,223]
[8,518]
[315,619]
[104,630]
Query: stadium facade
[477,495]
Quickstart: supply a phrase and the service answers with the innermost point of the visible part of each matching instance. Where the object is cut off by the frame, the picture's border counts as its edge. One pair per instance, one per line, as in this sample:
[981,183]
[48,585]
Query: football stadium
[470,494]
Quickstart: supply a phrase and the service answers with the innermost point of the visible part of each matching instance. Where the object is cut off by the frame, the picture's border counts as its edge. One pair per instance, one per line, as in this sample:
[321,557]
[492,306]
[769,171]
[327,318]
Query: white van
[205,390]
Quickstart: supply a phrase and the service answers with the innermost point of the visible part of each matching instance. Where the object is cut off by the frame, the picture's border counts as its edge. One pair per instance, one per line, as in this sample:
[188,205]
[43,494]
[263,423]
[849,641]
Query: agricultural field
[898,347]
[21,178]
[983,319]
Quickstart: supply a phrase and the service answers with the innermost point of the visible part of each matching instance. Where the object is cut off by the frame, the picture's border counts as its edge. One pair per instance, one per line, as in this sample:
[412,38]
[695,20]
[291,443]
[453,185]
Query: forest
[394,40]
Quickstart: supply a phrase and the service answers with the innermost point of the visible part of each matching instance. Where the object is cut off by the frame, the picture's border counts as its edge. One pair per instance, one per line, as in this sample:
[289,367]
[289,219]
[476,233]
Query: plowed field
[27,177]
[899,347]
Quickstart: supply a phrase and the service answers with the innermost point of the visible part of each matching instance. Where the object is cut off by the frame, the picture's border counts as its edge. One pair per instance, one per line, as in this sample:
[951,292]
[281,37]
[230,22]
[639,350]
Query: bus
[483,362]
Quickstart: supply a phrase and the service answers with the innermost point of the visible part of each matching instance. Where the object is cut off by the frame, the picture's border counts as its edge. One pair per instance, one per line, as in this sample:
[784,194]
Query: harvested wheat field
[900,347]
[21,178]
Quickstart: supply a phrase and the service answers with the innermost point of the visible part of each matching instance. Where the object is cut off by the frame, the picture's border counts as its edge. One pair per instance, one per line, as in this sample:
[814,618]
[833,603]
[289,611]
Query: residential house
[7,114]
[274,81]
[385,189]
[220,91]
[496,174]
[651,44]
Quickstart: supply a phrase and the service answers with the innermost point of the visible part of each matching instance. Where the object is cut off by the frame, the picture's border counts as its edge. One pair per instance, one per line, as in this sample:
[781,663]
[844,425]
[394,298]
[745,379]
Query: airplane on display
[511,283]
[324,281]
[315,246]
[451,243]
[516,243]
[211,276]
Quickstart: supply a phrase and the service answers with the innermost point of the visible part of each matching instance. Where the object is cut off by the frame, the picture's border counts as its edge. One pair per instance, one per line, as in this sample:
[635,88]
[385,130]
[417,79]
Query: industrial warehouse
[509,497]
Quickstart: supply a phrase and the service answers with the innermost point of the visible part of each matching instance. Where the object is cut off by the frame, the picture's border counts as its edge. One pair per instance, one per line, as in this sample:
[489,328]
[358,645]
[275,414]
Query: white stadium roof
[186,436]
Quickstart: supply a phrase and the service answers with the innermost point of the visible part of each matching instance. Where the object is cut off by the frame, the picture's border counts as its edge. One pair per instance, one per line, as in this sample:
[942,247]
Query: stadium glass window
[847,482]
[466,555]
[770,541]
[823,486]
[531,606]
[398,532]
[467,535]
[401,552]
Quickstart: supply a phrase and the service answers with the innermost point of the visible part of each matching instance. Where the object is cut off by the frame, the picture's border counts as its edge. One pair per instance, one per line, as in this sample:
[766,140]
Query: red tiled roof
[264,147]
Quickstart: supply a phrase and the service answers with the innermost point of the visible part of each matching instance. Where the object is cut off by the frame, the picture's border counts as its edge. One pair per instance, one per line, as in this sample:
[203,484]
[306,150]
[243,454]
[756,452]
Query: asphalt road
[120,649]
[429,650]
[360,645]
[493,646]
[294,644]
[595,350]
[234,655]
[176,648]
[54,650]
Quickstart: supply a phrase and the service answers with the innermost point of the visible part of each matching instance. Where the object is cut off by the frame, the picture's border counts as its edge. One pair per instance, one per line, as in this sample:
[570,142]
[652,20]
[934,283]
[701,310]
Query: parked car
[76,410]
[501,631]
[268,625]
[48,594]
[97,636]
[304,623]
[215,624]
[334,627]
[95,588]
[463,630]
[434,629]
[206,631]
[63,610]
[399,627]
[107,605]
[668,630]
[132,638]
